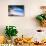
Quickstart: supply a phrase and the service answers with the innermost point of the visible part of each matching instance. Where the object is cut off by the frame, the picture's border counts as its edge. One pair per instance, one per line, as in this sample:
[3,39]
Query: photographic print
[15,10]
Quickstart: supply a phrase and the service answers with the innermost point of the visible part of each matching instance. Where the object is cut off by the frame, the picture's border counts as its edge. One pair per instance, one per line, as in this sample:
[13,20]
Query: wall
[26,25]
